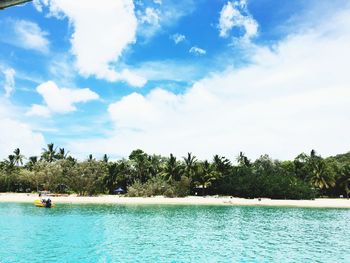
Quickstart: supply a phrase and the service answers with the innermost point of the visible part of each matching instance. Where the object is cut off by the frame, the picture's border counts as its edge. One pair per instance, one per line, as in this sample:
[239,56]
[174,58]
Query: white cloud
[197,51]
[24,34]
[101,33]
[288,100]
[165,15]
[127,76]
[132,78]
[60,100]
[39,110]
[9,83]
[177,38]
[151,16]
[16,133]
[37,5]
[159,2]
[235,14]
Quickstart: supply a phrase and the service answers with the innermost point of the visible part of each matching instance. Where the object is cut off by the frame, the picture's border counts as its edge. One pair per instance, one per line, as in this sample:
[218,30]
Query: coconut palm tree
[155,165]
[243,160]
[90,158]
[319,174]
[62,154]
[110,180]
[105,158]
[32,161]
[18,157]
[173,169]
[205,175]
[190,162]
[11,161]
[140,164]
[222,164]
[49,154]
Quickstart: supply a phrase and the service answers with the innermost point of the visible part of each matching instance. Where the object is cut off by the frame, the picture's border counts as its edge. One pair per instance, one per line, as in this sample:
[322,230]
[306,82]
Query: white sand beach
[190,200]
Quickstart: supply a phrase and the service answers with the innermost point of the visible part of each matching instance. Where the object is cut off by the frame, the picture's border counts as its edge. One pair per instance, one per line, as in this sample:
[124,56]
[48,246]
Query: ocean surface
[161,233]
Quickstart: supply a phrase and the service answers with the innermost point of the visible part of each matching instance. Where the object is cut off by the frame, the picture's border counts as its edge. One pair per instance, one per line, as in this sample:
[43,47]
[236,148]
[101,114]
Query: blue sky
[258,76]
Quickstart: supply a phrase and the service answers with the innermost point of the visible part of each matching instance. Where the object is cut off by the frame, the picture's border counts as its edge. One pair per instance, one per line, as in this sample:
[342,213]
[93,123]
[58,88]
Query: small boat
[44,203]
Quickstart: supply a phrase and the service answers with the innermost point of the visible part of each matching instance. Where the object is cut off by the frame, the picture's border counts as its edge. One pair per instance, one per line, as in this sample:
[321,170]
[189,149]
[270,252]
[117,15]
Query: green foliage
[87,177]
[305,177]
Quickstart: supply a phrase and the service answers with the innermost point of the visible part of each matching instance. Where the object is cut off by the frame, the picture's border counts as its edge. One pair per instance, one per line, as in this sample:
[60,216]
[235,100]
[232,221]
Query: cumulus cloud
[235,14]
[177,38]
[24,34]
[60,100]
[101,33]
[291,99]
[16,133]
[9,82]
[39,110]
[197,51]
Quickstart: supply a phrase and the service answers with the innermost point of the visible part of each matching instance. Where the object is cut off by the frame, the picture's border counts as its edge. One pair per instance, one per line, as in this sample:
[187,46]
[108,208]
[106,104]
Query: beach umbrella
[119,190]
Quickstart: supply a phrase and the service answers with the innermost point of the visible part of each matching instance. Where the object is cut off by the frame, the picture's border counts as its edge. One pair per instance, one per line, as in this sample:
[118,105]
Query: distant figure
[48,203]
[39,194]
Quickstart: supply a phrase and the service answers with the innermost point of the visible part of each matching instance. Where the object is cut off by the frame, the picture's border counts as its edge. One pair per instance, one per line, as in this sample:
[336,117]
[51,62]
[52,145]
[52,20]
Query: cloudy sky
[173,76]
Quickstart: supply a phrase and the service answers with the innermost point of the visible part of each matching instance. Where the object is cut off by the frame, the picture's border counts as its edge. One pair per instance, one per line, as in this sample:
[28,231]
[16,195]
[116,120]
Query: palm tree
[140,164]
[155,165]
[173,169]
[205,175]
[105,158]
[32,161]
[319,174]
[10,163]
[301,166]
[62,154]
[110,180]
[190,162]
[18,157]
[90,158]
[49,154]
[243,160]
[222,164]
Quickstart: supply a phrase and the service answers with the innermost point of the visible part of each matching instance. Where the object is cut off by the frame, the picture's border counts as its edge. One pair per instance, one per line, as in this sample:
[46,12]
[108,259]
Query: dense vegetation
[305,177]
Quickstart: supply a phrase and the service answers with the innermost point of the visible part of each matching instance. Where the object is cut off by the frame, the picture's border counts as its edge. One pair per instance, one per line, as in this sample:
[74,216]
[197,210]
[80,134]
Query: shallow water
[160,233]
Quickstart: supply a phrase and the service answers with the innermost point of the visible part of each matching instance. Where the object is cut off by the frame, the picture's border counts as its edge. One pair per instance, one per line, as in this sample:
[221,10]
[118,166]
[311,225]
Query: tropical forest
[142,175]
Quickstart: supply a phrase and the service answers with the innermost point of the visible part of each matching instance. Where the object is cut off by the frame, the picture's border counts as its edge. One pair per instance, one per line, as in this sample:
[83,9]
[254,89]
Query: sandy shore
[191,200]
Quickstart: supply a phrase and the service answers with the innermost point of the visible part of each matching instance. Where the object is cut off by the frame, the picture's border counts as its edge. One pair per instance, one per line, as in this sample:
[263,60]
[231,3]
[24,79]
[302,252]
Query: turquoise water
[107,233]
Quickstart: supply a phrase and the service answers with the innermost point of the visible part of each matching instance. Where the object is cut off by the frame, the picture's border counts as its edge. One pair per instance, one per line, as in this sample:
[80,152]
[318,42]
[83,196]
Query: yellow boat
[40,203]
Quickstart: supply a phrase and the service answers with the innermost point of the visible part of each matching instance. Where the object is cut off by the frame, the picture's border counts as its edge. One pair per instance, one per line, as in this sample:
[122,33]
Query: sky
[176,76]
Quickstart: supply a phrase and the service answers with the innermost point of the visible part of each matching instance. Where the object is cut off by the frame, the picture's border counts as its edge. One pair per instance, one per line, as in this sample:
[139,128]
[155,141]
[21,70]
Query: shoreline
[190,200]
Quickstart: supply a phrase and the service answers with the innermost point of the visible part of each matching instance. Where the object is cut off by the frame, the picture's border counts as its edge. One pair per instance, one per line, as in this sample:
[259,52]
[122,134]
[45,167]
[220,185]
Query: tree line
[306,177]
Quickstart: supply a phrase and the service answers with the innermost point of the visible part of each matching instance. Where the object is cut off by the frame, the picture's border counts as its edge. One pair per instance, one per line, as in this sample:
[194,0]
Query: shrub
[169,192]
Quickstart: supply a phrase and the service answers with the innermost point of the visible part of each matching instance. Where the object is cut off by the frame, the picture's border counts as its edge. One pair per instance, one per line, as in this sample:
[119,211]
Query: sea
[172,233]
